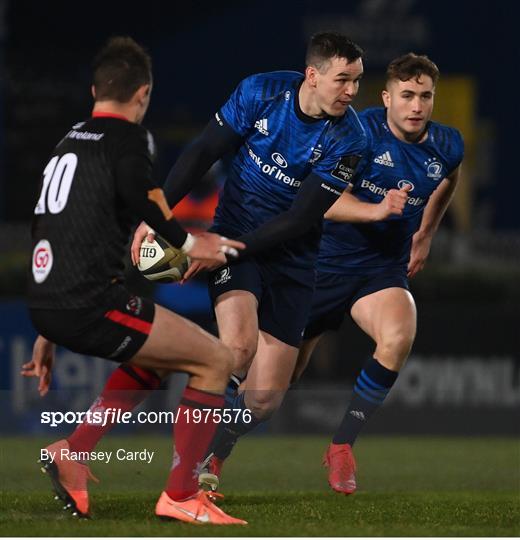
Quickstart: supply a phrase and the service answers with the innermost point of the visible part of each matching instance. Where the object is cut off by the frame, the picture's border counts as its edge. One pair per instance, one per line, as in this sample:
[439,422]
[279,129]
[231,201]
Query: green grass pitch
[406,487]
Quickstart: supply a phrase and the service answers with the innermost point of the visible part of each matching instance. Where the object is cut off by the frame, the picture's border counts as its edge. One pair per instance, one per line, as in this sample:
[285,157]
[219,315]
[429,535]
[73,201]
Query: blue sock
[228,433]
[372,386]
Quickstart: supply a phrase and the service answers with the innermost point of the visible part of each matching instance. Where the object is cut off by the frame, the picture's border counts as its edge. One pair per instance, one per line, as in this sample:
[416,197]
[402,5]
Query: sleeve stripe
[442,138]
[264,88]
[271,88]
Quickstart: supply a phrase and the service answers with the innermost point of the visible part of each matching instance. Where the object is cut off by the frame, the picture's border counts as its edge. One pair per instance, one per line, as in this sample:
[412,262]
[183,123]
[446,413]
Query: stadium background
[463,375]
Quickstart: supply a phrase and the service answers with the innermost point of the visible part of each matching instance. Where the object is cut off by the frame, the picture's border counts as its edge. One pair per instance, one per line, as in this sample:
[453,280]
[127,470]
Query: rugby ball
[160,261]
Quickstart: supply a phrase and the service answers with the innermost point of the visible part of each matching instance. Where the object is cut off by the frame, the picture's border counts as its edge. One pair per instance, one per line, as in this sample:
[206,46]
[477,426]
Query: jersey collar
[298,111]
[101,114]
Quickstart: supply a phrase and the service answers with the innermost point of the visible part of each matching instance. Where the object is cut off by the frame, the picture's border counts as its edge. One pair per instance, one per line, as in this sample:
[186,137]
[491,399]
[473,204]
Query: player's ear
[311,75]
[385,96]
[93,92]
[143,92]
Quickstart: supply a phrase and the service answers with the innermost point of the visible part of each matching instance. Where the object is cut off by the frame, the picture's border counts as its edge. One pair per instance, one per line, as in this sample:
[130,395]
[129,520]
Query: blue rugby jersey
[281,147]
[355,248]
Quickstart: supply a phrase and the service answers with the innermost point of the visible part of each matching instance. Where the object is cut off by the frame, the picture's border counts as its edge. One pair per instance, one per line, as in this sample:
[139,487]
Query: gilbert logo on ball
[147,251]
[42,260]
[160,261]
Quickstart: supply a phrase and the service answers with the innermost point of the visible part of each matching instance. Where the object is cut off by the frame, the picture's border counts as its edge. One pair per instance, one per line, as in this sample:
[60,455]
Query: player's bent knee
[264,404]
[394,350]
[263,411]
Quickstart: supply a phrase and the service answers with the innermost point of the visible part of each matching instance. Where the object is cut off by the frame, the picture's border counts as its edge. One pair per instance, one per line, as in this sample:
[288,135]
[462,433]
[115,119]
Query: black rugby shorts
[115,331]
[284,294]
[335,294]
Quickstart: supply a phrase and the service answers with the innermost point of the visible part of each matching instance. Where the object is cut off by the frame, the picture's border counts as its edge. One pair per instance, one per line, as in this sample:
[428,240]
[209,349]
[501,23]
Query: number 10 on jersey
[57,181]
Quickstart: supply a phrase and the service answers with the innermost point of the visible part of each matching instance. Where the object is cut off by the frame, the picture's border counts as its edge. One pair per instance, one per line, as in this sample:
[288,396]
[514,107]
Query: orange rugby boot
[69,478]
[342,468]
[197,509]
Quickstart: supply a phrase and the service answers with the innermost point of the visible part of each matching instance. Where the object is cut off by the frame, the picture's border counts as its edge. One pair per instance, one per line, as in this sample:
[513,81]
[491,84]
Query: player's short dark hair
[327,45]
[120,68]
[412,66]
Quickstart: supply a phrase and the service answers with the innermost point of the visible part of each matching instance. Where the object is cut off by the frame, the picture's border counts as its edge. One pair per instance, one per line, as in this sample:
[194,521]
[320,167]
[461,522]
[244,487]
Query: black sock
[228,432]
[372,386]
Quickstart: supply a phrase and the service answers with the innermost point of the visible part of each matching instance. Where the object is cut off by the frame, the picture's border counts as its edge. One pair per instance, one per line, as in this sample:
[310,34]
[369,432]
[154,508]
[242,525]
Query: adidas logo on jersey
[385,159]
[261,125]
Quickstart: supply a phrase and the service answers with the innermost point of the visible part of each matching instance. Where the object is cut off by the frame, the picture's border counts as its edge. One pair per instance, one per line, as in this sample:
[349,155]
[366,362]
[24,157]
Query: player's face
[337,84]
[409,106]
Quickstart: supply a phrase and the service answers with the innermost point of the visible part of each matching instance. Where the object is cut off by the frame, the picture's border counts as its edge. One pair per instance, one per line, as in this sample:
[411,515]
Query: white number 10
[57,181]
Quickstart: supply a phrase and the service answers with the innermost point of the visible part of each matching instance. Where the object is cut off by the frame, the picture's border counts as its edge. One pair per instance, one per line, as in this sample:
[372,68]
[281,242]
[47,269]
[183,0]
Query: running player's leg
[169,343]
[180,345]
[116,330]
[265,387]
[237,319]
[388,316]
[176,344]
[125,389]
[235,291]
[269,376]
[282,315]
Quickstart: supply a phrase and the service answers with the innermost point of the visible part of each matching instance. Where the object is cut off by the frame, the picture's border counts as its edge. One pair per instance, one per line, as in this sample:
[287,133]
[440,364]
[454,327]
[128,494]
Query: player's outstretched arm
[41,364]
[349,208]
[315,197]
[433,212]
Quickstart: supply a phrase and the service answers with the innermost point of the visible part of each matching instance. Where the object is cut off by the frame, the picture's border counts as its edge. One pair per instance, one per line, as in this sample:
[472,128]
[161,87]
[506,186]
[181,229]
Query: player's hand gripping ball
[160,261]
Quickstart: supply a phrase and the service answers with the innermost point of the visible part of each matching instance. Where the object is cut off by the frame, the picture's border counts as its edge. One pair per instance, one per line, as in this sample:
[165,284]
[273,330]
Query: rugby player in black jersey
[95,187]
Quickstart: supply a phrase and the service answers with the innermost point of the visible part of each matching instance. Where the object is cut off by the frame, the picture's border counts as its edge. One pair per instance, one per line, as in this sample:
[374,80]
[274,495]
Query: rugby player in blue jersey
[377,235]
[364,264]
[296,144]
